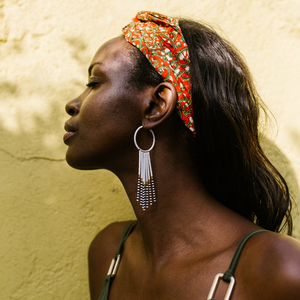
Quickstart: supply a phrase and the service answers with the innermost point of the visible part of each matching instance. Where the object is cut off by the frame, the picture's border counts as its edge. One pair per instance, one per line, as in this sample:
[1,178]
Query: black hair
[142,72]
[226,149]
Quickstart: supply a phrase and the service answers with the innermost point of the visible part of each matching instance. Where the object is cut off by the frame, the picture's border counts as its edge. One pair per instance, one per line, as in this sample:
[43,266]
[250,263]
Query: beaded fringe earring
[145,187]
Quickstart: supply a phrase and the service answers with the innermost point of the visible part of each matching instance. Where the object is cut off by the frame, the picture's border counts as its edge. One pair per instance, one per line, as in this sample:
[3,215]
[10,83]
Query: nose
[73,107]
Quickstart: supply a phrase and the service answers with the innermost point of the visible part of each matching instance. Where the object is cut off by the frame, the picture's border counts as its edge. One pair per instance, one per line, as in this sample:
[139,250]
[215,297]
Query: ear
[161,105]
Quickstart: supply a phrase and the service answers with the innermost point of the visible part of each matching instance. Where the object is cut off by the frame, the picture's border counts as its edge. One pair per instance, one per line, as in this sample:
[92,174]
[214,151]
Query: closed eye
[93,84]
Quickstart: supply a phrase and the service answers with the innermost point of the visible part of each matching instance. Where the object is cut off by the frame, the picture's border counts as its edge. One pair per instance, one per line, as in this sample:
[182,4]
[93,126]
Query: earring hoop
[145,188]
[135,141]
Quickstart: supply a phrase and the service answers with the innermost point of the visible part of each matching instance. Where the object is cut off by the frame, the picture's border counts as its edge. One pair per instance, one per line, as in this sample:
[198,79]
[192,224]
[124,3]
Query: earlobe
[161,106]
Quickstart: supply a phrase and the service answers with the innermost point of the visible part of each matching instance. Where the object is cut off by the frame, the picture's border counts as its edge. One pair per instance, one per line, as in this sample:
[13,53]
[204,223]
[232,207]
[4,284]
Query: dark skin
[186,237]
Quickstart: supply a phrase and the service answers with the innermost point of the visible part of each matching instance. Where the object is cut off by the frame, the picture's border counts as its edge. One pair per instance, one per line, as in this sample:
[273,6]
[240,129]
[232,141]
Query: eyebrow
[92,66]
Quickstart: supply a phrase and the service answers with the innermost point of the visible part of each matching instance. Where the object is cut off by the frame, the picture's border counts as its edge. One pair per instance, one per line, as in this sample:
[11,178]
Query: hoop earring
[145,187]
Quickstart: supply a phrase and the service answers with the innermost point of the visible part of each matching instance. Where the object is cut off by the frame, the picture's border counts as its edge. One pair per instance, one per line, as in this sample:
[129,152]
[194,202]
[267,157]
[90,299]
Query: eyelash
[93,84]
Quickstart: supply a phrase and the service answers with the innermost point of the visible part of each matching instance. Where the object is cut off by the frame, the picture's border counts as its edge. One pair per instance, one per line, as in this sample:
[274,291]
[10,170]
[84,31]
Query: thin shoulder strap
[228,276]
[126,233]
[115,262]
[230,272]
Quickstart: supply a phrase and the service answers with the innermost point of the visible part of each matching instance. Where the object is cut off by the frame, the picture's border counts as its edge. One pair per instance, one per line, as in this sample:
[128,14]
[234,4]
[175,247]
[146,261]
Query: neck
[185,214]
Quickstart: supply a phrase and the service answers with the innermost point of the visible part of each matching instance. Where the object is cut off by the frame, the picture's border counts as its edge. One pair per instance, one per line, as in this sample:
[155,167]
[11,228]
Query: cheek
[107,122]
[92,111]
[112,108]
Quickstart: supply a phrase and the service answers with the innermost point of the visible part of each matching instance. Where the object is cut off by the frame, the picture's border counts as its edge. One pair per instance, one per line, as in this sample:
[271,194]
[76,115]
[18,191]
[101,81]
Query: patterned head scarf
[160,39]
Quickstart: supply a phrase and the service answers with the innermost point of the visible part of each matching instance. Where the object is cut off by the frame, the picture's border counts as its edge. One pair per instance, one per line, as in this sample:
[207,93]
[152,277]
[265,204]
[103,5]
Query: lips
[70,132]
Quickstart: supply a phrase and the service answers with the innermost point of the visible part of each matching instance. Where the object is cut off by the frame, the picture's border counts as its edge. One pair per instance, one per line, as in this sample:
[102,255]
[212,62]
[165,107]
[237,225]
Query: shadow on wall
[296,137]
[32,105]
[78,51]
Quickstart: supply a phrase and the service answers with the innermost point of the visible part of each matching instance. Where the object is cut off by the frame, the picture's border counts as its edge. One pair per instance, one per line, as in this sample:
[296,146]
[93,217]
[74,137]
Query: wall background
[49,213]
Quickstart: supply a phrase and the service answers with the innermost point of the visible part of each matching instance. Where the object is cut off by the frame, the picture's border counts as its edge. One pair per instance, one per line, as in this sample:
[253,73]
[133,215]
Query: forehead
[113,53]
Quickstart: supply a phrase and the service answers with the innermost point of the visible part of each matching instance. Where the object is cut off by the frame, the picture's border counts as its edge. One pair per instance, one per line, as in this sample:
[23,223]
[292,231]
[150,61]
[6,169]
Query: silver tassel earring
[145,188]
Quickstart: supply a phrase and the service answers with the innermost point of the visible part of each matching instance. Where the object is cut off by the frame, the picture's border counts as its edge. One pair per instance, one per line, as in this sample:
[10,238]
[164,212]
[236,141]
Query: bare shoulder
[108,239]
[272,262]
[101,252]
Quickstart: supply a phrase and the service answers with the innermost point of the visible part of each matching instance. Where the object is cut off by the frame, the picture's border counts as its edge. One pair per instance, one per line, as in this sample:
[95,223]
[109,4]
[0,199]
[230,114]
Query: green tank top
[228,276]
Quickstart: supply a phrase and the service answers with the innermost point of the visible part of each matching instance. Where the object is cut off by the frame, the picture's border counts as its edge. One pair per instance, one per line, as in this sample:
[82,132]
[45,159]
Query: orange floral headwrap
[160,39]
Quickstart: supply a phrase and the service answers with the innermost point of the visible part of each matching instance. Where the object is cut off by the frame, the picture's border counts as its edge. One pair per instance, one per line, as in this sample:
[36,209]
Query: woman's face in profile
[104,116]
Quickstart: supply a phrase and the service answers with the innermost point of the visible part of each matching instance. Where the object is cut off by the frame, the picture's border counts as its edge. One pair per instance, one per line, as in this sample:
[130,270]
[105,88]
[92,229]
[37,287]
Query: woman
[171,109]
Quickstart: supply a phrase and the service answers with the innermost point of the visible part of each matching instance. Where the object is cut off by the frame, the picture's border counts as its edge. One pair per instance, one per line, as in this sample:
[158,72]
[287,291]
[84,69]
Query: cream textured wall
[49,212]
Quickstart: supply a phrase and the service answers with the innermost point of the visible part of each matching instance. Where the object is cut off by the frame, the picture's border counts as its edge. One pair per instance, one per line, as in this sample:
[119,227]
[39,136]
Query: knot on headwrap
[160,39]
